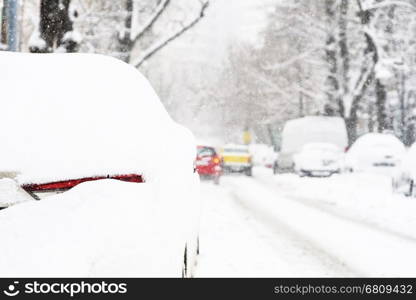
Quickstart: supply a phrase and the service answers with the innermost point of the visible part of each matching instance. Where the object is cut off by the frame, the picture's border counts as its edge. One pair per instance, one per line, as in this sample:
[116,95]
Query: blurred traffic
[315,146]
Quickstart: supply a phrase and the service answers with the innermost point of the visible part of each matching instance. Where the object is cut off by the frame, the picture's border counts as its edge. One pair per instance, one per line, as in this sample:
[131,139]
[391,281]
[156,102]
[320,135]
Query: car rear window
[206,151]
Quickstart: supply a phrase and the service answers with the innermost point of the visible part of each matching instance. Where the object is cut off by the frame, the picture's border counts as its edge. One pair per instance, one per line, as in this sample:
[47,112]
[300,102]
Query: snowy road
[285,226]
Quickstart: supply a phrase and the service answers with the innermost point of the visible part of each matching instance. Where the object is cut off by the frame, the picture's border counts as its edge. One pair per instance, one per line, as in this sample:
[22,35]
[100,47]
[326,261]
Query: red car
[208,163]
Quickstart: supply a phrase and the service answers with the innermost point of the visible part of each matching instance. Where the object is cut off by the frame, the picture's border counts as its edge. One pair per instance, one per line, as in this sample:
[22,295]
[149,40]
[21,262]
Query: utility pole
[9,25]
[13,38]
[3,30]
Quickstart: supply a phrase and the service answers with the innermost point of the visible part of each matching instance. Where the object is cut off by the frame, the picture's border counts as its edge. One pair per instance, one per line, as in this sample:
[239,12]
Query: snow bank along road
[288,226]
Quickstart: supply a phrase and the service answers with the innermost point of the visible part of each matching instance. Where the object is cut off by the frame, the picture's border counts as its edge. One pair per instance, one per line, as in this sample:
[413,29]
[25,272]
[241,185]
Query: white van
[313,129]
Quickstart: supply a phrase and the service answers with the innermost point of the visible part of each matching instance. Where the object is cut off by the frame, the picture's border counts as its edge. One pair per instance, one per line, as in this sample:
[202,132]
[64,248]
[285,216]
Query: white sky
[226,21]
[241,19]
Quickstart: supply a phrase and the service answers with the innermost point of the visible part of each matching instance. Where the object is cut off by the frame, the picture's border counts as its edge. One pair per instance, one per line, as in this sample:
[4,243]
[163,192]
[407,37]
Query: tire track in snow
[320,204]
[309,253]
[231,246]
[365,250]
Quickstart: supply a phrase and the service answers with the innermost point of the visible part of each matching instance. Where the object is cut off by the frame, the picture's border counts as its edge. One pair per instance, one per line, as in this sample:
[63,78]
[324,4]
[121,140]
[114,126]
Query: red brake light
[68,184]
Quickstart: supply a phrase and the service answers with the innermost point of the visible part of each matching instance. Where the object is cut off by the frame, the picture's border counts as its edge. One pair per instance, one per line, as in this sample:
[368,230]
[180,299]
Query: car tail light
[68,184]
[216,160]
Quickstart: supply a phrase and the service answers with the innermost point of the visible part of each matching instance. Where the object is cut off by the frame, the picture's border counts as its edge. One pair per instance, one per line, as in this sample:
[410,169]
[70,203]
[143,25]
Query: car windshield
[206,151]
[321,148]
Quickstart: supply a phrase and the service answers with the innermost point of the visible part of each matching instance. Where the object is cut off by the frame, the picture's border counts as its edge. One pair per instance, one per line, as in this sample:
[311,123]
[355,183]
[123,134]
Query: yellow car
[236,158]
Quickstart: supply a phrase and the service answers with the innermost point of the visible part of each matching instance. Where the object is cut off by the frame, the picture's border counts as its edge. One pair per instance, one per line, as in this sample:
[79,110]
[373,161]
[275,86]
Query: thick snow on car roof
[66,116]
[311,129]
[371,141]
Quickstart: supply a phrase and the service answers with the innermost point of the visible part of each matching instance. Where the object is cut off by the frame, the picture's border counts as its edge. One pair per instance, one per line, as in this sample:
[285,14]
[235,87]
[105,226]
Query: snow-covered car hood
[100,228]
[316,161]
[318,156]
[82,115]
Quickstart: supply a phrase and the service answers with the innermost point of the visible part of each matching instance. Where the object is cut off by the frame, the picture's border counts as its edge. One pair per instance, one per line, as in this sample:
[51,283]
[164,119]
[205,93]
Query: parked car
[263,155]
[237,158]
[89,137]
[312,129]
[208,163]
[318,159]
[403,179]
[11,193]
[374,151]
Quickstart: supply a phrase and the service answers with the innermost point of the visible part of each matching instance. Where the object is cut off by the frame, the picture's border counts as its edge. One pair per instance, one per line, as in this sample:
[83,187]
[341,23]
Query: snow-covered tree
[397,69]
[353,59]
[361,55]
[134,30]
[390,28]
[55,31]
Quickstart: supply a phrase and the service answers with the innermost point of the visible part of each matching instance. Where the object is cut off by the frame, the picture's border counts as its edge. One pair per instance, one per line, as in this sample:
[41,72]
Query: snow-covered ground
[362,197]
[283,225]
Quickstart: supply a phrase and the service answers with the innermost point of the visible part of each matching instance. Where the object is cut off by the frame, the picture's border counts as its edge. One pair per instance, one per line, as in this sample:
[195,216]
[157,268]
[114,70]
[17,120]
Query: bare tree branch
[160,45]
[152,20]
[389,3]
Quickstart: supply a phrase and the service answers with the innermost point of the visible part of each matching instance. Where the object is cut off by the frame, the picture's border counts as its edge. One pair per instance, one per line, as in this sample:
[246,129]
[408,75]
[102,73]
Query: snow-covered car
[318,159]
[10,192]
[236,158]
[374,151]
[263,155]
[208,163]
[404,177]
[88,136]
[312,129]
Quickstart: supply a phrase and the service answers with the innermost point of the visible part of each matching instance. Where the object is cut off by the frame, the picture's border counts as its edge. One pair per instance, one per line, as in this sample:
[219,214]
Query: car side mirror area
[12,193]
